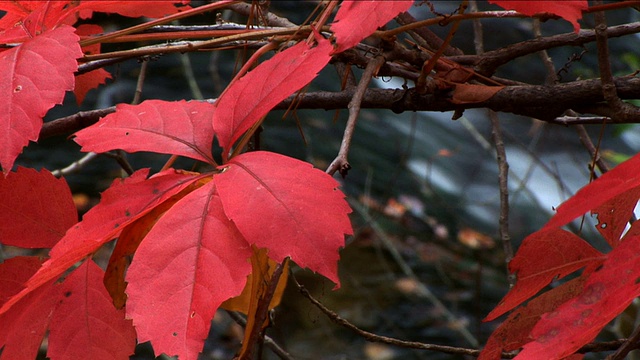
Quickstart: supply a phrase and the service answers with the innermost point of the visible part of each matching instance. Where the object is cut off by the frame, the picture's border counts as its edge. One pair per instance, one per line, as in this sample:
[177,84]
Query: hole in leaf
[18,88]
[193,314]
[603,226]
[637,281]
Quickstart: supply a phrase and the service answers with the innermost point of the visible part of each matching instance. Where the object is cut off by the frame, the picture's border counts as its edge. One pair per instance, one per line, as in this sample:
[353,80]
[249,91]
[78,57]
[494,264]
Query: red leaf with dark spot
[86,325]
[34,78]
[606,293]
[191,261]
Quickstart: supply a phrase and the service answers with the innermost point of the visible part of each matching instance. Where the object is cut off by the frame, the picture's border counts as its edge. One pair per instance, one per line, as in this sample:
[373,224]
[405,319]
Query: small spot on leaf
[18,88]
[67,294]
[592,294]
[175,334]
[127,213]
[126,133]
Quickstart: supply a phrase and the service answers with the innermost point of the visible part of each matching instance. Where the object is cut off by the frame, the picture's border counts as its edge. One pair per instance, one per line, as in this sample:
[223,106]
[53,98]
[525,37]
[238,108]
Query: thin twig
[272,19]
[271,344]
[503,184]
[75,166]
[340,163]
[501,158]
[422,289]
[383,339]
[621,109]
[632,343]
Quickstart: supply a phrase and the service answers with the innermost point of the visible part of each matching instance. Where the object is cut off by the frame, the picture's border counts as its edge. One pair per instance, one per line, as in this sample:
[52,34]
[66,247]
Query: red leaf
[614,215]
[27,19]
[86,325]
[37,209]
[124,202]
[180,128]
[92,79]
[89,81]
[621,179]
[190,262]
[35,77]
[563,252]
[607,292]
[24,327]
[514,331]
[288,207]
[570,10]
[251,97]
[349,28]
[152,9]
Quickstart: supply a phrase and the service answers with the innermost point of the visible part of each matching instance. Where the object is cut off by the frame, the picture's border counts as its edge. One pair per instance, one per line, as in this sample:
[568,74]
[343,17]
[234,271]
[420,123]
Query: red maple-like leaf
[514,332]
[28,18]
[620,180]
[349,28]
[191,261]
[606,293]
[286,206]
[564,254]
[147,8]
[614,215]
[37,209]
[181,128]
[35,77]
[570,10]
[24,327]
[92,79]
[123,203]
[85,324]
[251,97]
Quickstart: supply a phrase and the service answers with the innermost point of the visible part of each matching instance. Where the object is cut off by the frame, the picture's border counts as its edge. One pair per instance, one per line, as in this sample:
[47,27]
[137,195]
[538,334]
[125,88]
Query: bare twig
[422,289]
[75,166]
[384,339]
[632,343]
[271,344]
[272,19]
[621,110]
[140,83]
[425,37]
[340,163]
[503,184]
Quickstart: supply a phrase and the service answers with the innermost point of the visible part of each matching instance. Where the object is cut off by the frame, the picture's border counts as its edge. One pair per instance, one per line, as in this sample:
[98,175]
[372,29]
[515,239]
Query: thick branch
[539,101]
[542,102]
